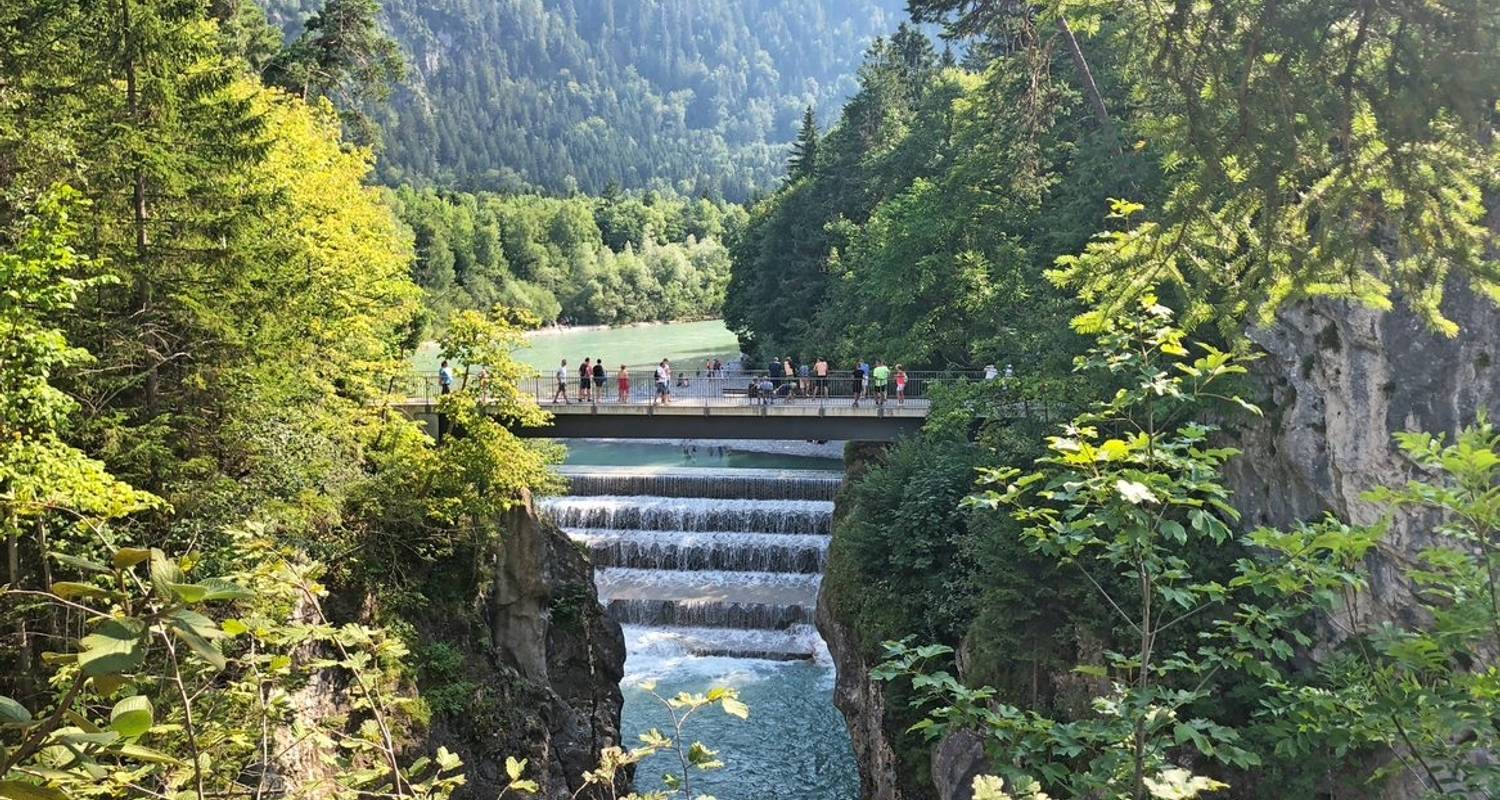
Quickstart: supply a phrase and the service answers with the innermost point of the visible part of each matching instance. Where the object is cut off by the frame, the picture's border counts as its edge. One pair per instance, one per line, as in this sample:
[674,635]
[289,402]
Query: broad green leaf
[205,649]
[136,752]
[127,557]
[220,589]
[12,712]
[79,737]
[132,716]
[20,790]
[735,708]
[187,592]
[117,645]
[81,563]
[71,590]
[164,574]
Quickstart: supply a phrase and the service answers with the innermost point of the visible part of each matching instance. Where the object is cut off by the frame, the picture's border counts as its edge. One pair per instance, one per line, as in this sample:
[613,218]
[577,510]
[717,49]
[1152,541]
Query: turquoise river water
[710,558]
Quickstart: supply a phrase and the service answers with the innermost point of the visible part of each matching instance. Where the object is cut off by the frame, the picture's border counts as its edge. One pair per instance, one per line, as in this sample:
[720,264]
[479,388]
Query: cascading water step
[644,512]
[715,599]
[797,643]
[705,550]
[728,483]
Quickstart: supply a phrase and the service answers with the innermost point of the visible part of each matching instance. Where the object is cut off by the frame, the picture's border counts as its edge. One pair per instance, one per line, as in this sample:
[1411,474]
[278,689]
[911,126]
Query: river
[710,556]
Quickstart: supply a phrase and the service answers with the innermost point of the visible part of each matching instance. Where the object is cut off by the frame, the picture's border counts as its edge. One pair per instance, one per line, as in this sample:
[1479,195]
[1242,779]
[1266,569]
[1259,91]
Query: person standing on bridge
[445,377]
[599,376]
[664,383]
[622,382]
[900,385]
[880,378]
[820,373]
[857,381]
[562,383]
[585,381]
[773,371]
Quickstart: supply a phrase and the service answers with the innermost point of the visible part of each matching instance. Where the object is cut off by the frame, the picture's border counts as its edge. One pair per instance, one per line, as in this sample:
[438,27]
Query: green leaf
[136,752]
[187,592]
[71,590]
[81,563]
[76,736]
[12,713]
[127,557]
[20,790]
[220,589]
[735,708]
[117,645]
[205,649]
[132,716]
[514,768]
[164,574]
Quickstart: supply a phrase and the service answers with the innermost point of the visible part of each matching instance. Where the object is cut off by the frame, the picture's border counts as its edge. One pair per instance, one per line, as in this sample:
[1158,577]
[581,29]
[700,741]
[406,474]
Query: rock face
[546,684]
[862,702]
[512,655]
[1340,380]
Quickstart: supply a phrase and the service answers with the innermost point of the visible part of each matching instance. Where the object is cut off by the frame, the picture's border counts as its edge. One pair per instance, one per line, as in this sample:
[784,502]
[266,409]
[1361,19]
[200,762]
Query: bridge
[716,407]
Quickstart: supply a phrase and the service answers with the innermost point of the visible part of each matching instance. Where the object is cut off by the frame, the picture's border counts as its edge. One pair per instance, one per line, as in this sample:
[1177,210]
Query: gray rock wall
[1339,380]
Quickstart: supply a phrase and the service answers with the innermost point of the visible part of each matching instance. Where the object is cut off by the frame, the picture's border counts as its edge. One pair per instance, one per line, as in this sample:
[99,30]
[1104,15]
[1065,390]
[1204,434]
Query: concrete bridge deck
[834,419]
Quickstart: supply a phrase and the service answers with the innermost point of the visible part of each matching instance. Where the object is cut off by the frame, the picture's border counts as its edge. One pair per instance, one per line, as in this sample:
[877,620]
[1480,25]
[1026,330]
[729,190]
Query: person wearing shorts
[664,382]
[562,383]
[879,378]
[585,381]
[599,377]
[900,385]
[622,381]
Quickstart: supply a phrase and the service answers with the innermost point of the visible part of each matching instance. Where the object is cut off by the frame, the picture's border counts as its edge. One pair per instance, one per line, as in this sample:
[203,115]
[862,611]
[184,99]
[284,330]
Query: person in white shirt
[664,382]
[562,382]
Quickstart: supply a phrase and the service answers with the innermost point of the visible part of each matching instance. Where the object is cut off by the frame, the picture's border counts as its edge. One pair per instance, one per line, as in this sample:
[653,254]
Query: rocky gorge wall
[1339,380]
[527,667]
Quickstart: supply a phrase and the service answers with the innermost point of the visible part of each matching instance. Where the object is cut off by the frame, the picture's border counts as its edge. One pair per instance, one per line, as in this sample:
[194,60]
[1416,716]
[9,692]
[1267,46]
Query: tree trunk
[138,210]
[1086,77]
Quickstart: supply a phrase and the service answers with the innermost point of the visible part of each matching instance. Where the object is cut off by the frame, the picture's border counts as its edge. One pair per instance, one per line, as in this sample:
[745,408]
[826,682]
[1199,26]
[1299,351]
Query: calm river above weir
[710,557]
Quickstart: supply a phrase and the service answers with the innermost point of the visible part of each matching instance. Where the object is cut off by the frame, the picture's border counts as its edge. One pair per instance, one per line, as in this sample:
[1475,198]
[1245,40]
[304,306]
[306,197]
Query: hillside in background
[701,96]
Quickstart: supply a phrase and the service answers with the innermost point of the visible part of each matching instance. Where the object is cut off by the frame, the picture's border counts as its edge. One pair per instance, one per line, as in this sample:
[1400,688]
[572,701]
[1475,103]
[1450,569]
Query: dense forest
[692,96]
[1115,201]
[606,260]
[234,570]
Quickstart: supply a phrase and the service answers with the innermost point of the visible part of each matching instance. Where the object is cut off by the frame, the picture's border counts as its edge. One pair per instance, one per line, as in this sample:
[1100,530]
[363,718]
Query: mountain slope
[698,95]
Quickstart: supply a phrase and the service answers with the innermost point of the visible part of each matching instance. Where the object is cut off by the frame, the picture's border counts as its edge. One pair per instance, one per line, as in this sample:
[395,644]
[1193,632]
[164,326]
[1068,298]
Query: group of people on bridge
[788,381]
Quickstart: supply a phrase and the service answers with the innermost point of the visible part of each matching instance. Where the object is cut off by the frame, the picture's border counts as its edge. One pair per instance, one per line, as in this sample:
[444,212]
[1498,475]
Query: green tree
[343,54]
[804,159]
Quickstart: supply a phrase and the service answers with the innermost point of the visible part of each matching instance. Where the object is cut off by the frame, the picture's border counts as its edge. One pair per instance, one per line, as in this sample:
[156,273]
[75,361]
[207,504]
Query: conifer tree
[804,160]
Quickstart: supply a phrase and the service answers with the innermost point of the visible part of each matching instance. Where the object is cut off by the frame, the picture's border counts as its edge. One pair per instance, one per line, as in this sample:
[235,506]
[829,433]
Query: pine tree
[804,161]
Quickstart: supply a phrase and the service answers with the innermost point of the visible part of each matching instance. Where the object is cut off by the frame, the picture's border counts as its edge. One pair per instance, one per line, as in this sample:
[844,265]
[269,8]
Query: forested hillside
[700,96]
[612,259]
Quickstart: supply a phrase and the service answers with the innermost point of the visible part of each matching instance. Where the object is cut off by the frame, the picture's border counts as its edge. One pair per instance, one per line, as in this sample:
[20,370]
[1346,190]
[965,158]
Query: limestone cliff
[511,654]
[545,683]
[1339,380]
[861,700]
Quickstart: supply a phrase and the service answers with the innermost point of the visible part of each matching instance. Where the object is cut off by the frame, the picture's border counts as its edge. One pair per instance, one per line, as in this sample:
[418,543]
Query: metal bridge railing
[724,388]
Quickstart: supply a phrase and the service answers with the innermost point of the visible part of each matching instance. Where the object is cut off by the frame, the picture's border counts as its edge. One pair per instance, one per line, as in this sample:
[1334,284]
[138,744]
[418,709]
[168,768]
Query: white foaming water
[705,550]
[714,576]
[646,512]
[757,484]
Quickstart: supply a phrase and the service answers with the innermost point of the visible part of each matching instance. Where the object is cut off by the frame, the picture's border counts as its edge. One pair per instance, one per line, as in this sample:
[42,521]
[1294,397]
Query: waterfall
[652,513]
[727,483]
[715,562]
